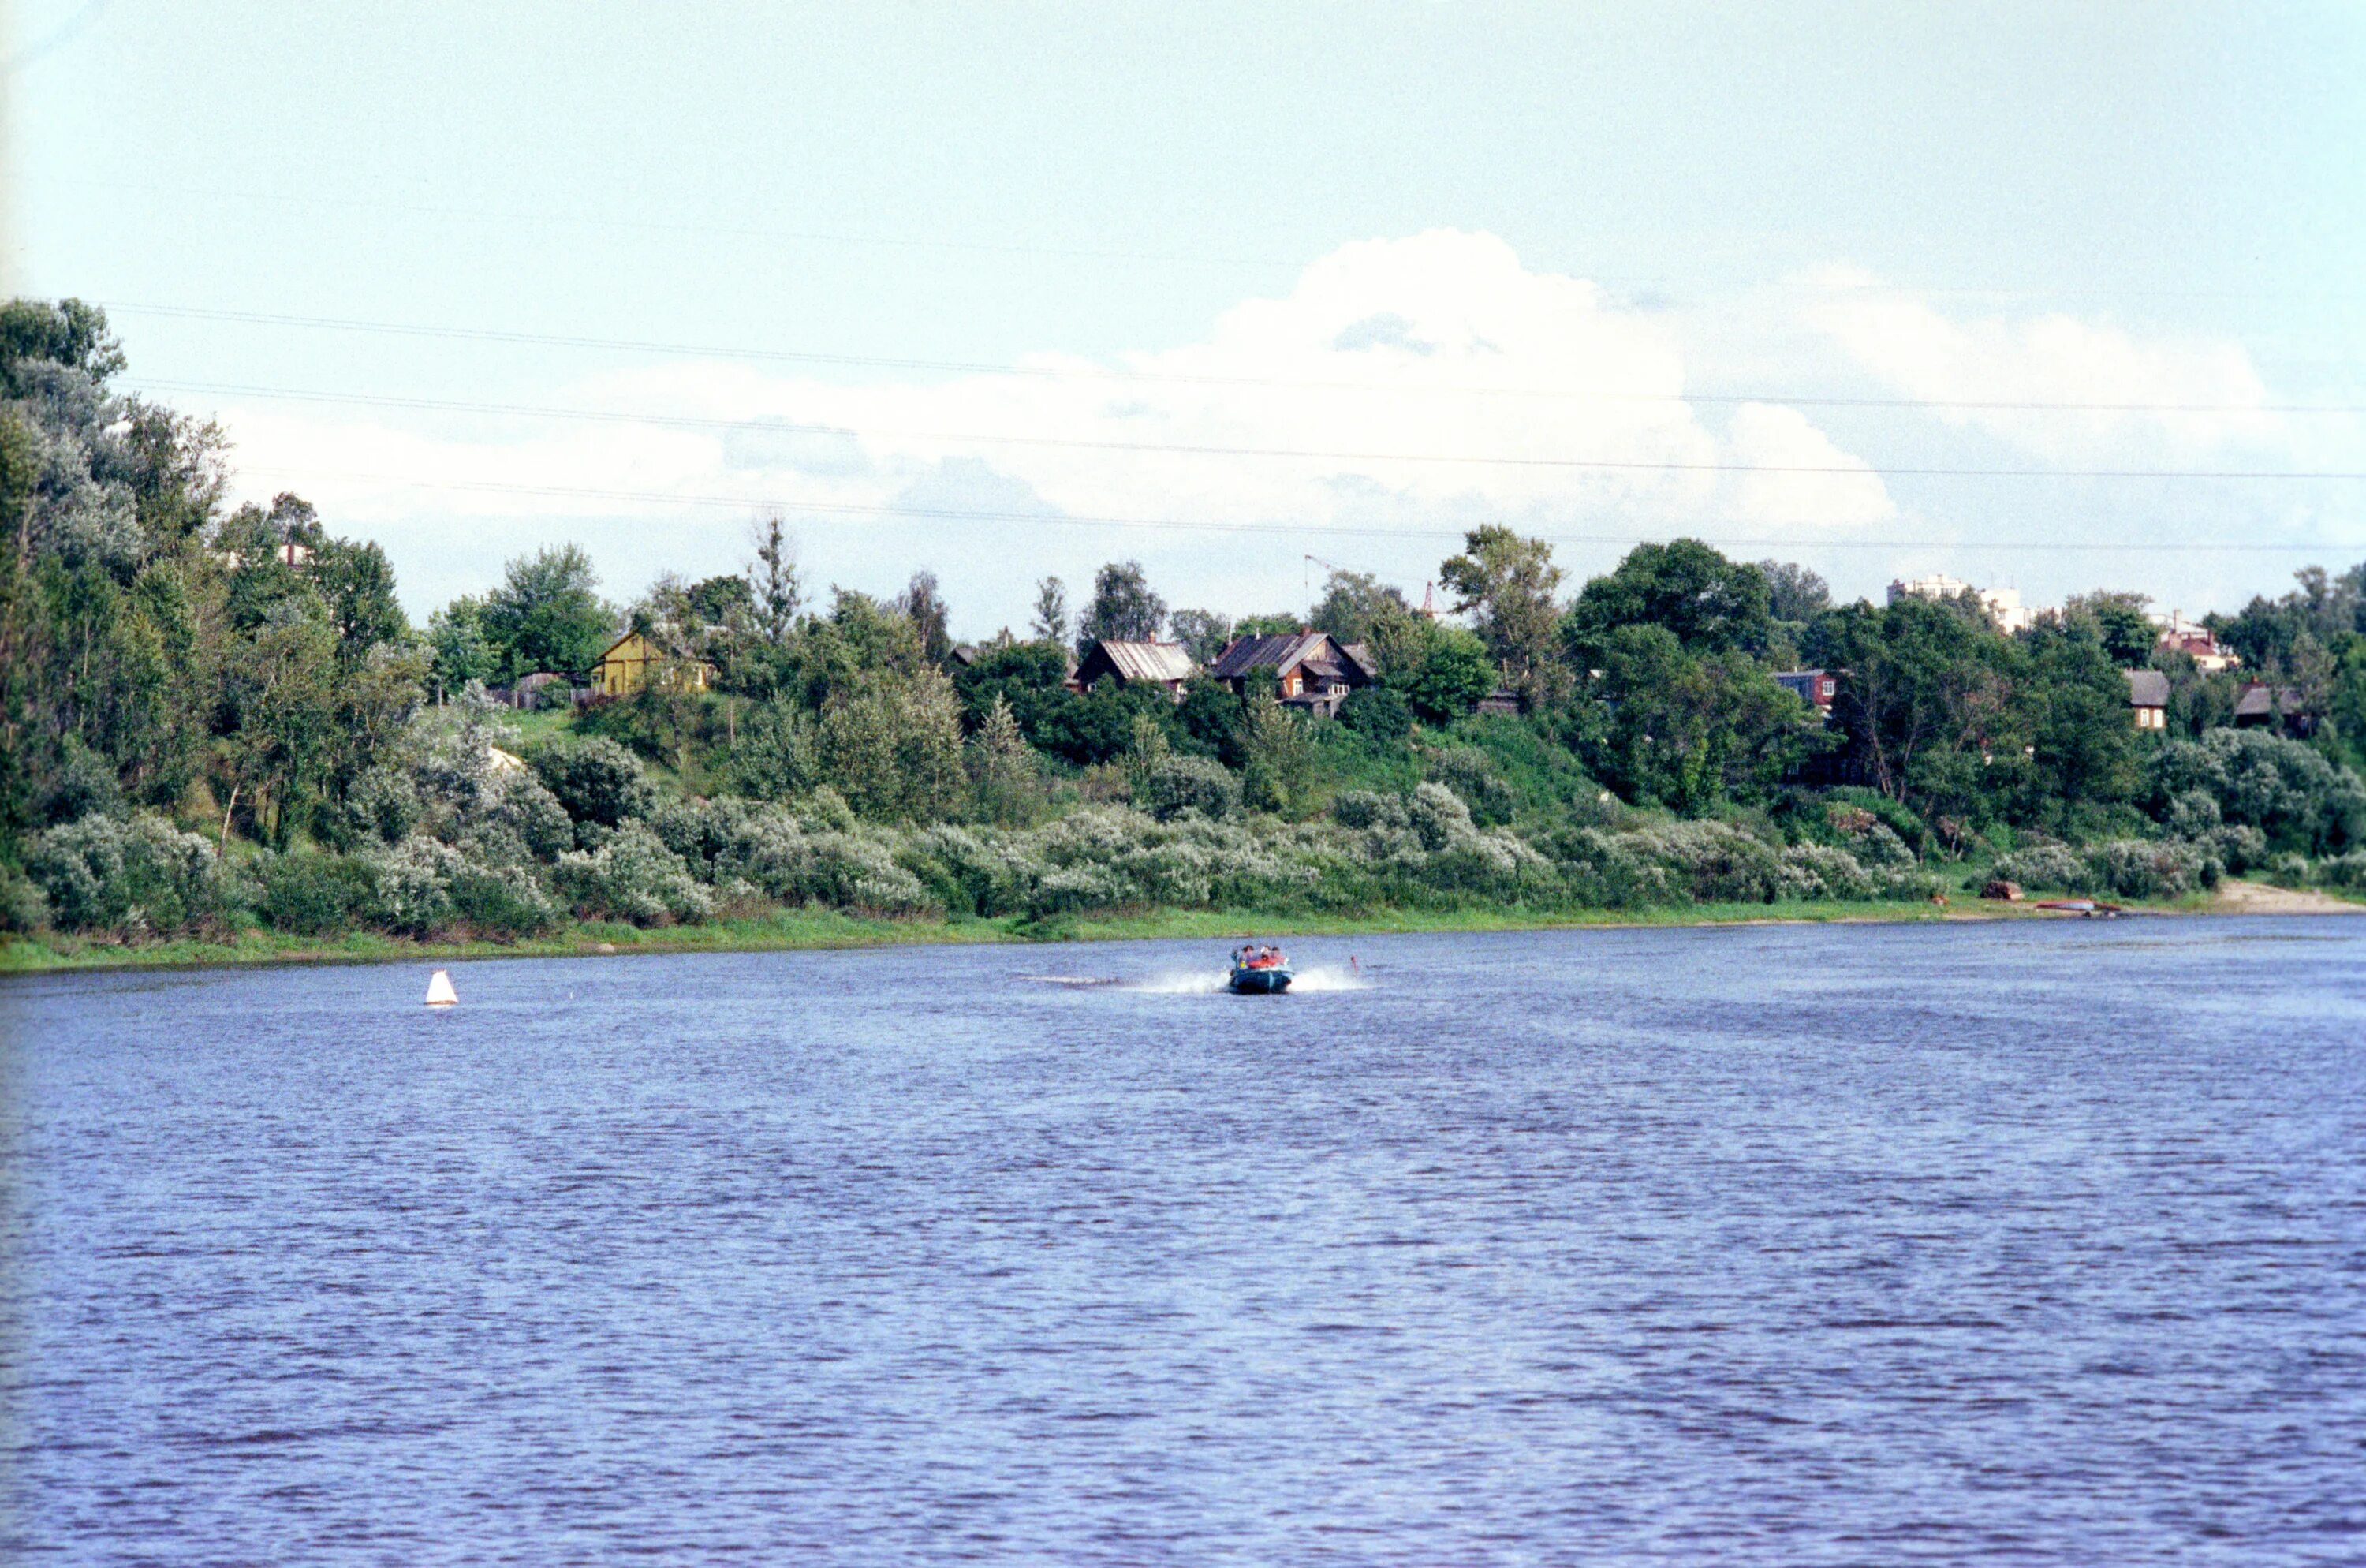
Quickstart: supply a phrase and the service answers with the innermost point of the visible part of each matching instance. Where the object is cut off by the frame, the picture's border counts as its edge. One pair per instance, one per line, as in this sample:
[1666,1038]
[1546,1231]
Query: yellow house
[626,666]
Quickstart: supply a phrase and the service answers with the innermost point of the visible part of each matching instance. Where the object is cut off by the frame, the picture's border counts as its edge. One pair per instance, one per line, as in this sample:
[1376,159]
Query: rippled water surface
[2033,1243]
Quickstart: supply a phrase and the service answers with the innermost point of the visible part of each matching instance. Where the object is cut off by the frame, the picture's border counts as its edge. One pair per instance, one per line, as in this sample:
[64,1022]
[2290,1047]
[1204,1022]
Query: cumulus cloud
[2171,397]
[1429,375]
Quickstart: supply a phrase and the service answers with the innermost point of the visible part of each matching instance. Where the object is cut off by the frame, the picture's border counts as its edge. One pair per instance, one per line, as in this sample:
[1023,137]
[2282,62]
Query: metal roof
[1153,661]
[1280,652]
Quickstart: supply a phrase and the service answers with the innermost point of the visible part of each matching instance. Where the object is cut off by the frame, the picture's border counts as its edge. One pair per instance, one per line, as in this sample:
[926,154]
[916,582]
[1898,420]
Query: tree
[358,584]
[1688,730]
[725,601]
[1710,602]
[462,651]
[1003,769]
[1352,603]
[70,333]
[1277,763]
[774,591]
[1506,583]
[1451,673]
[1204,634]
[547,614]
[1051,611]
[1794,592]
[2117,621]
[1123,608]
[894,748]
[926,608]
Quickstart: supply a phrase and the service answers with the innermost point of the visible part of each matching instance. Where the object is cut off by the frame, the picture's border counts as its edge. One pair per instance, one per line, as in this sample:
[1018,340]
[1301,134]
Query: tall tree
[547,614]
[1711,603]
[1203,632]
[773,582]
[1794,592]
[1123,608]
[925,605]
[1352,603]
[1506,583]
[1050,622]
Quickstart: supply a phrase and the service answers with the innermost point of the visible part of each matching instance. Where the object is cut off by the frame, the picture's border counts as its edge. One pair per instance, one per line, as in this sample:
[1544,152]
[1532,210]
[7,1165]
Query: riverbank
[788,929]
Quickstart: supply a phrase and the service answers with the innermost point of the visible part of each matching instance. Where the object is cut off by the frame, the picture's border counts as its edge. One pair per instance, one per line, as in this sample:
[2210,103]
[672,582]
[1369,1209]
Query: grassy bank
[801,929]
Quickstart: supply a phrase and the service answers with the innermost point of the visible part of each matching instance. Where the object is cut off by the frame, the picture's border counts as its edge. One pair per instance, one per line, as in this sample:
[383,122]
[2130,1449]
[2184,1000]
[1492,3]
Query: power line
[1099,372]
[512,217]
[848,509]
[1208,450]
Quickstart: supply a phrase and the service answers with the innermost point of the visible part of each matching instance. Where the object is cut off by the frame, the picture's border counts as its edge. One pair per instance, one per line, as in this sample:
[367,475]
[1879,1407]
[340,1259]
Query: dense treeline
[216,718]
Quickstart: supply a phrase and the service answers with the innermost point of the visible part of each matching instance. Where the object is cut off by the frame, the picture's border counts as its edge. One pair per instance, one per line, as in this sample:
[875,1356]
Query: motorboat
[1260,970]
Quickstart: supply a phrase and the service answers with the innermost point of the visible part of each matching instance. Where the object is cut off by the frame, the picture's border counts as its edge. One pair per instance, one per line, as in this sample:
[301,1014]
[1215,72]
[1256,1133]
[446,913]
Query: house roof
[1283,651]
[1155,662]
[2263,702]
[2147,688]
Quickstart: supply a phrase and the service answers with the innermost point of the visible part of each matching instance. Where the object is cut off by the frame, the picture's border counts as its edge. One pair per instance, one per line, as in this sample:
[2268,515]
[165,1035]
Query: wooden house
[632,660]
[2148,698]
[1311,670]
[1165,664]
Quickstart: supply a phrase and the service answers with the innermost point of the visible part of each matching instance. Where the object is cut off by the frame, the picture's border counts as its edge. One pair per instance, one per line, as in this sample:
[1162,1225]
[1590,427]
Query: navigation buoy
[439,990]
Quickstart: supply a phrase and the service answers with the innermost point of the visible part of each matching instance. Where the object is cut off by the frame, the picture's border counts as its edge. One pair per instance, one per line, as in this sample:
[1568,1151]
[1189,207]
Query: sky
[2031,295]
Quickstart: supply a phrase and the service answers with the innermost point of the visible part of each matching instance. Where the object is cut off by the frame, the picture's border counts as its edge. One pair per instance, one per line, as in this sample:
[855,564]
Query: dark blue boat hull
[1260,982]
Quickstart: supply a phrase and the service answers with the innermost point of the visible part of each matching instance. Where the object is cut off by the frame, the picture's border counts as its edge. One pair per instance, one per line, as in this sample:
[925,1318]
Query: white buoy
[439,990]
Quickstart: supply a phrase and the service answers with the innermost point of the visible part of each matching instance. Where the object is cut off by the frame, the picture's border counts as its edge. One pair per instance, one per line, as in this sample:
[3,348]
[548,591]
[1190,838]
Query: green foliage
[1444,674]
[1277,764]
[2258,779]
[1353,603]
[137,876]
[1379,713]
[1204,634]
[1506,584]
[1689,731]
[1709,604]
[1174,786]
[547,614]
[594,780]
[1123,608]
[313,894]
[893,750]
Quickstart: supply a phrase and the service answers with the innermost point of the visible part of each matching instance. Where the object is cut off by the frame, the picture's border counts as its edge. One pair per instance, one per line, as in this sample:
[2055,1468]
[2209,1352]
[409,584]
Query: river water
[2029,1243]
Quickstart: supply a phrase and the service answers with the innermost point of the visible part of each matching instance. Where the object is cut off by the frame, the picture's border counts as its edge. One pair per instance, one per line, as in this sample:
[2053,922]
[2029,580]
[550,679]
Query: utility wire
[847,509]
[513,217]
[1204,450]
[1100,372]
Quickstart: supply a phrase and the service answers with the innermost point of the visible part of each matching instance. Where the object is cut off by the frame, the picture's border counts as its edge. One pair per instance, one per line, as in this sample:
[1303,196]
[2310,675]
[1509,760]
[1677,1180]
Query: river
[2031,1242]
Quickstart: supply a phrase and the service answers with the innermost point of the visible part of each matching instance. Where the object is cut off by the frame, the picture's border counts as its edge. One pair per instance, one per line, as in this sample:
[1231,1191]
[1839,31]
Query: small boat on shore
[2088,908]
[1260,970]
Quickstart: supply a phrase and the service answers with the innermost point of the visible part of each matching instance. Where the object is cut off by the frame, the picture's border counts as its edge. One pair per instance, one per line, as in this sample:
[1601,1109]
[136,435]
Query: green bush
[501,906]
[23,908]
[595,780]
[313,894]
[633,876]
[2138,868]
[1174,786]
[2047,868]
[135,876]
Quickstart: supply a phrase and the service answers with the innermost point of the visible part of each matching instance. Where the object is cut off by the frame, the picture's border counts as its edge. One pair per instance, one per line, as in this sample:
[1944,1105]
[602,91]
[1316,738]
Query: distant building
[1502,699]
[287,553]
[2195,640]
[1817,688]
[2263,706]
[1164,664]
[2003,605]
[1311,669]
[626,667]
[2148,698]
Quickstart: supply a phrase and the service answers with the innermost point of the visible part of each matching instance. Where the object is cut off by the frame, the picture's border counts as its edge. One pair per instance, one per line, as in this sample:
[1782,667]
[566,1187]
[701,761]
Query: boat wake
[1207,982]
[1074,982]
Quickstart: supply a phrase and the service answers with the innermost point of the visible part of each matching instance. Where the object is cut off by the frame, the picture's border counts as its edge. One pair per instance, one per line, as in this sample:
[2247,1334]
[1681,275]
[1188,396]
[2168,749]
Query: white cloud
[1427,379]
[2194,397]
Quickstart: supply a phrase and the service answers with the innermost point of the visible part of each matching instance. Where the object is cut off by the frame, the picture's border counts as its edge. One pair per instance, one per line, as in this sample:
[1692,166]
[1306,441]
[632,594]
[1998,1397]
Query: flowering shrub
[632,876]
[134,876]
[2050,868]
